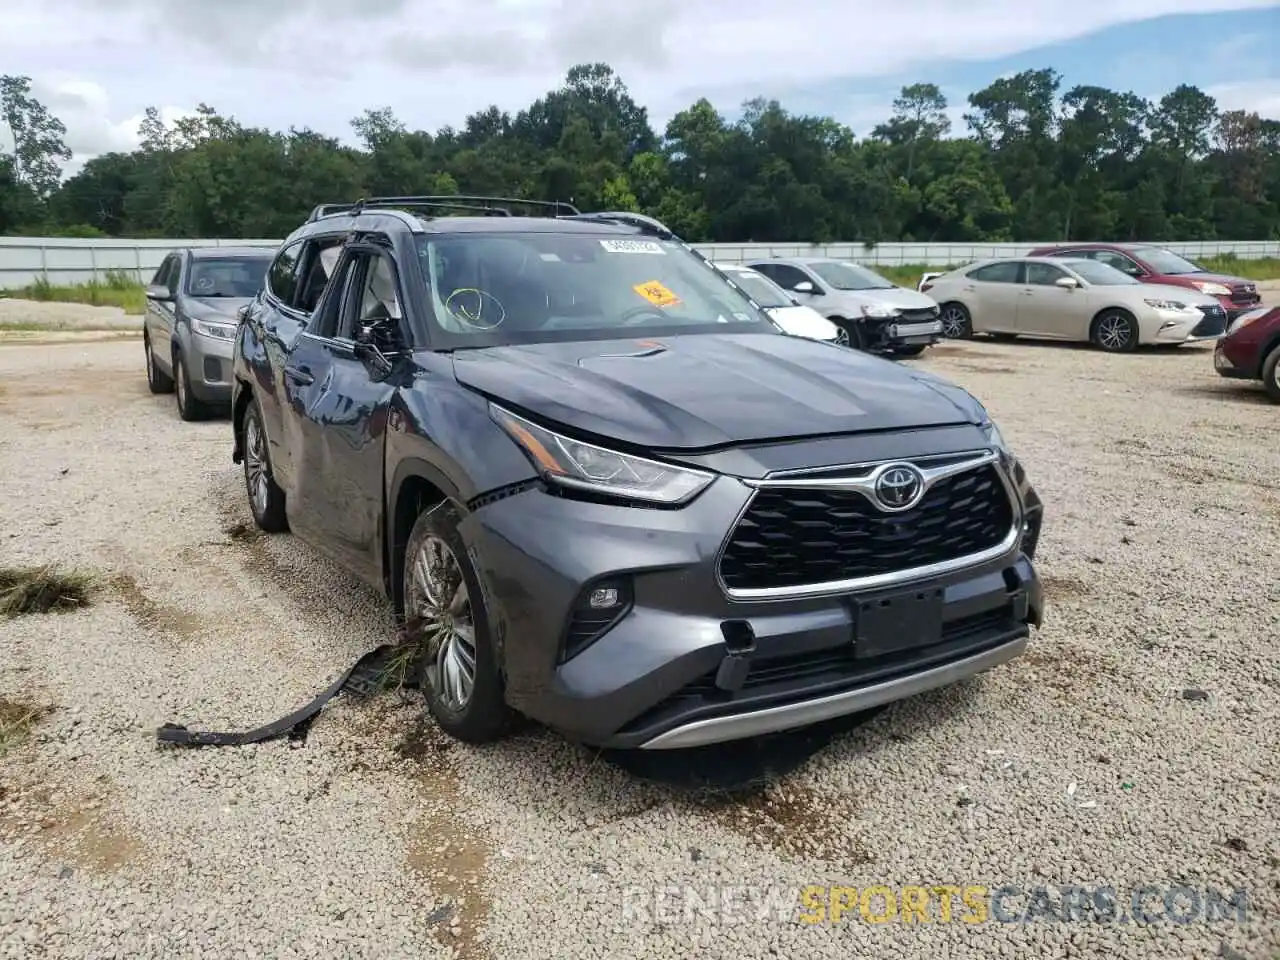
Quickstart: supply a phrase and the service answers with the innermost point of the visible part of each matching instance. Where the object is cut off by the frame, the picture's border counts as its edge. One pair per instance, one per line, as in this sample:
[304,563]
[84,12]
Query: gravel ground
[66,316]
[377,837]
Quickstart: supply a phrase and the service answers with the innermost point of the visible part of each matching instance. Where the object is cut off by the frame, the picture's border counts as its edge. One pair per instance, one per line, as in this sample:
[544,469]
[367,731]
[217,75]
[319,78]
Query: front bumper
[1226,367]
[684,665]
[209,363]
[903,333]
[1180,326]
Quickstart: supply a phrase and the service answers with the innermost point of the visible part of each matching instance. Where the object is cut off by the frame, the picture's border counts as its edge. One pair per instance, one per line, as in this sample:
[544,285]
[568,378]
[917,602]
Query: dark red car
[1251,351]
[1158,265]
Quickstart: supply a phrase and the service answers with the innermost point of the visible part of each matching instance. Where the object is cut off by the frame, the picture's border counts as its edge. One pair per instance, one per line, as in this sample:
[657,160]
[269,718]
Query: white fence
[68,261]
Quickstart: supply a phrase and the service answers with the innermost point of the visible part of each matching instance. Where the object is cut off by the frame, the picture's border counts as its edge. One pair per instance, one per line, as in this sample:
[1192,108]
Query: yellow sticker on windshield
[657,294]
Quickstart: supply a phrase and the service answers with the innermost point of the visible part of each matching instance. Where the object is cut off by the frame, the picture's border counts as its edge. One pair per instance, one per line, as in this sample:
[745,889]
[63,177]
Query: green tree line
[1035,162]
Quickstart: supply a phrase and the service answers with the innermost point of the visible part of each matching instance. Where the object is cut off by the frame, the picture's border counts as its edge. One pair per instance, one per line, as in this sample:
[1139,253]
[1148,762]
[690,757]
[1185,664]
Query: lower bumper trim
[805,712]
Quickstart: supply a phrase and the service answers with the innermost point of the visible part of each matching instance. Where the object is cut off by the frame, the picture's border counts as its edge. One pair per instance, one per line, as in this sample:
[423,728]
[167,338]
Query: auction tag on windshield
[657,294]
[632,246]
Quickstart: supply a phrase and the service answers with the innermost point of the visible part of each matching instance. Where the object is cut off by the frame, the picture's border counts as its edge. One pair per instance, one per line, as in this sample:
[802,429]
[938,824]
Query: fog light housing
[1031,534]
[595,612]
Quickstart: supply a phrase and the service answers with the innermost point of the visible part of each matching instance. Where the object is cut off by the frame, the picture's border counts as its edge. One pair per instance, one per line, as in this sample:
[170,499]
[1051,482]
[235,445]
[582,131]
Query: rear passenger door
[992,294]
[338,407]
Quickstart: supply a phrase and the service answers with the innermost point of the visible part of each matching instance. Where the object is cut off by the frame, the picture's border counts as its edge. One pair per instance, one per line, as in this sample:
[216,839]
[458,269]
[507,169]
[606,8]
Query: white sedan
[1071,299]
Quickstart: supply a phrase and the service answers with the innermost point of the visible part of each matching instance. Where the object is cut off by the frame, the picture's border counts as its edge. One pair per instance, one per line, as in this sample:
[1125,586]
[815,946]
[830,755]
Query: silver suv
[878,315]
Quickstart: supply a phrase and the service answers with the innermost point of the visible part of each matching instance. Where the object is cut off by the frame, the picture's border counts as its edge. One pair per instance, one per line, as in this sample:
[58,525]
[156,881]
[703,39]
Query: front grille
[799,537]
[921,315]
[1244,295]
[1213,324]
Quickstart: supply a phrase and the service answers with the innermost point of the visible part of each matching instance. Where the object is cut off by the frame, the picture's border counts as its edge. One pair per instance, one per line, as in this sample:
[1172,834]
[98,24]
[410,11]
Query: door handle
[299,376]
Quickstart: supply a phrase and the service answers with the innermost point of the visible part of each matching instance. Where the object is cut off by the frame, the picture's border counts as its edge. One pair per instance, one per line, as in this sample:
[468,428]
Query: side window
[787,276]
[766,268]
[331,318]
[379,297]
[317,267]
[162,272]
[1117,260]
[282,275]
[1006,271]
[1043,274]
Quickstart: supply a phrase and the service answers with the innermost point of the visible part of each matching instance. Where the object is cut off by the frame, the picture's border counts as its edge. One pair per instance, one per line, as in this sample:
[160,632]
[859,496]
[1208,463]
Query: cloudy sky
[318,63]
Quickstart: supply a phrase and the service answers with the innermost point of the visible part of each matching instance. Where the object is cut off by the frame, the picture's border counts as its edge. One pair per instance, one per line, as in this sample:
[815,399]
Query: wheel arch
[415,486]
[1112,308]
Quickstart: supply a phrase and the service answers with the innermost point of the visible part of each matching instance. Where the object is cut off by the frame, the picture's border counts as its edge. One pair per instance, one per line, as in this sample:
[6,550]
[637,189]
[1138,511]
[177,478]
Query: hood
[899,297]
[709,390]
[803,322]
[221,309]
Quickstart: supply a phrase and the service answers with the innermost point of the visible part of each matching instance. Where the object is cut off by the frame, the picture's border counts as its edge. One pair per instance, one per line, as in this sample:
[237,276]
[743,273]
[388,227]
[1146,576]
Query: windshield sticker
[657,294]
[632,246]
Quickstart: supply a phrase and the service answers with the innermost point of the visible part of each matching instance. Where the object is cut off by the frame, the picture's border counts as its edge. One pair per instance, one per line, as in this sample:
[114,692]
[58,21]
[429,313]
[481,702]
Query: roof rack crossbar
[648,225]
[493,206]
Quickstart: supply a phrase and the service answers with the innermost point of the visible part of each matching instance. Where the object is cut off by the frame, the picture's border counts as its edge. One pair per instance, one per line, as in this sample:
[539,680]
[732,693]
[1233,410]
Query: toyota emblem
[900,486]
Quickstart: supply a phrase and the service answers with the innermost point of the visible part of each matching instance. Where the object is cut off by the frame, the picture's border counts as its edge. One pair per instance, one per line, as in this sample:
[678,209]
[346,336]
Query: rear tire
[1115,331]
[157,381]
[461,679]
[266,499]
[957,324]
[1271,374]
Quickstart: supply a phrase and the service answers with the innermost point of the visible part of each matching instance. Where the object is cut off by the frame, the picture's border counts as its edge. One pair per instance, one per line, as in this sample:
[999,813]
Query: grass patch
[42,590]
[117,290]
[46,326]
[16,720]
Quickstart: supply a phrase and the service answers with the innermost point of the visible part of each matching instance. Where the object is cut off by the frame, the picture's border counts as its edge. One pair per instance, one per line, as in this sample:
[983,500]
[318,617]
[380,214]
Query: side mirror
[1067,283]
[804,286]
[156,292]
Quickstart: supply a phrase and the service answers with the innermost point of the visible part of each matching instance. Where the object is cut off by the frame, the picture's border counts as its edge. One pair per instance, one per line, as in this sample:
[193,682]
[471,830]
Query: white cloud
[1258,96]
[318,63]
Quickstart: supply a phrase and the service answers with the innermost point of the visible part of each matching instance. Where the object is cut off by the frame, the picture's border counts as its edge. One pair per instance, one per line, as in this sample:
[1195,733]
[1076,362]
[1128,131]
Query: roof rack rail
[648,225]
[490,206]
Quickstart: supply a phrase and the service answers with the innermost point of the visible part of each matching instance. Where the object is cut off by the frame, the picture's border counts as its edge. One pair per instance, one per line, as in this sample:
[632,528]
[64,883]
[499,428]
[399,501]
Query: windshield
[227,276]
[760,289]
[849,276]
[1101,274]
[1166,261]
[495,289]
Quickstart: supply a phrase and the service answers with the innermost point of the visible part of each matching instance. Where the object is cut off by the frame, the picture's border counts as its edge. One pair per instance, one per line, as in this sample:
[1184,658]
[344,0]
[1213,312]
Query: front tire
[189,408]
[855,336]
[157,381]
[461,680]
[1271,374]
[266,499]
[1115,331]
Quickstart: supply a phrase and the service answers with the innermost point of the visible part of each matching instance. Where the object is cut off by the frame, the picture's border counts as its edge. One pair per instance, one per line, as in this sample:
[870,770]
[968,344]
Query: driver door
[340,399]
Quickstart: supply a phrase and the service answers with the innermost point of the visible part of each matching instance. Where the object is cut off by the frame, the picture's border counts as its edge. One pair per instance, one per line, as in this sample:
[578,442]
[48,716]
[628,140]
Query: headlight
[1166,304]
[573,463]
[221,331]
[1214,289]
[879,311]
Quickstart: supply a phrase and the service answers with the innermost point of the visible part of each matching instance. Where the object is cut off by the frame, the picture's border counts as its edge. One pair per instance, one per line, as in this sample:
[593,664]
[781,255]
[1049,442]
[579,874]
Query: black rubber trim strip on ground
[180,735]
[362,678]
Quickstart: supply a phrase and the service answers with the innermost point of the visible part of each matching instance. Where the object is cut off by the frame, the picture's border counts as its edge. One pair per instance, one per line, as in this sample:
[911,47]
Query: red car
[1158,265]
[1251,351]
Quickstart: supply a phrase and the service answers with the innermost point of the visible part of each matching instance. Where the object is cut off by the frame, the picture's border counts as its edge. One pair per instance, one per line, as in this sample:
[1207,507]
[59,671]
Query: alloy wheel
[180,376]
[1113,331]
[438,596]
[151,370]
[953,322]
[255,464]
[842,336]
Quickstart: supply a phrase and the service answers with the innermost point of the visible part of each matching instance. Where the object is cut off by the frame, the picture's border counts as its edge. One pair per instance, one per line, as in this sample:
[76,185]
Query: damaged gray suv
[616,498]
